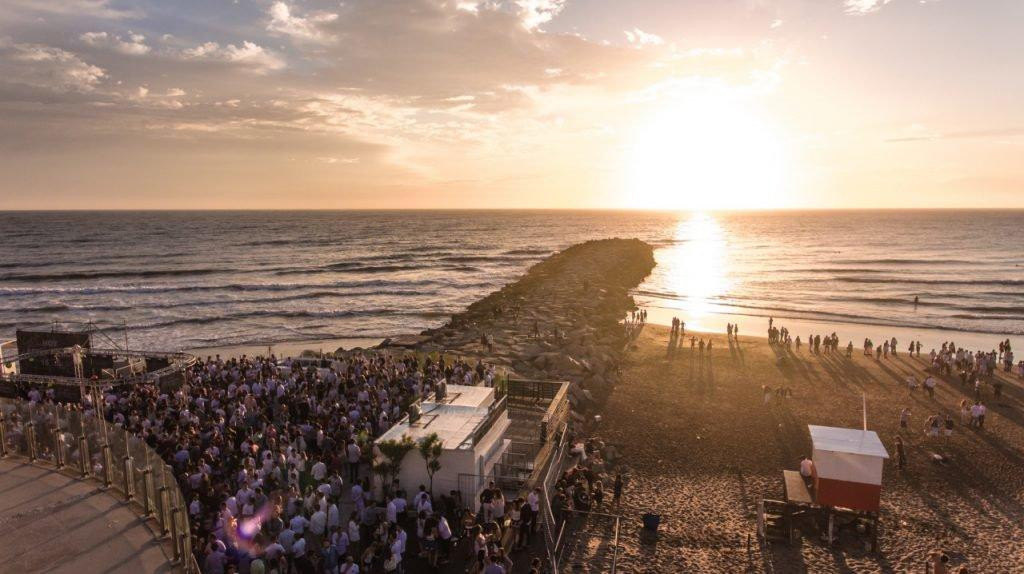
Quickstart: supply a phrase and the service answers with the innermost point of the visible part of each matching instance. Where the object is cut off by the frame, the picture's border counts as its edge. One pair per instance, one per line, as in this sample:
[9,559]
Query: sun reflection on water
[698,266]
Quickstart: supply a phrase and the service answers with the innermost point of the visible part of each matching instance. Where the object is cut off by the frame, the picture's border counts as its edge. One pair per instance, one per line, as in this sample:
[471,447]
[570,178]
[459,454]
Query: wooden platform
[796,488]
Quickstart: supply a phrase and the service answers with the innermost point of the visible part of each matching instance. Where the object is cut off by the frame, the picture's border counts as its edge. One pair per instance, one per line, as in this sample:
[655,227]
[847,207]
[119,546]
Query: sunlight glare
[708,153]
[699,261]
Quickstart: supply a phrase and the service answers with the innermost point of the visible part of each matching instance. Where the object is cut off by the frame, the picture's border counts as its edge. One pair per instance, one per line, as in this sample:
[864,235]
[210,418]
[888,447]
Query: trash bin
[651,522]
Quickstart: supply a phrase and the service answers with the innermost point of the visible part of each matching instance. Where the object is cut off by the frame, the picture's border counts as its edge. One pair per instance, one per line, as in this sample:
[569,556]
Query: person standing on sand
[901,454]
[938,563]
[905,417]
[617,488]
[807,469]
[929,385]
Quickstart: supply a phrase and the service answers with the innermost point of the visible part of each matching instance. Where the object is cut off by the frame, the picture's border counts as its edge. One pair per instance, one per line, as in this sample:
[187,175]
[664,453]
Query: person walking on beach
[931,426]
[929,386]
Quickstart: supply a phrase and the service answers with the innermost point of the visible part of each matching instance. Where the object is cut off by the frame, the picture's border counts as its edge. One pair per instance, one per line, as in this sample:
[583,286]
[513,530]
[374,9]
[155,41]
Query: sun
[704,154]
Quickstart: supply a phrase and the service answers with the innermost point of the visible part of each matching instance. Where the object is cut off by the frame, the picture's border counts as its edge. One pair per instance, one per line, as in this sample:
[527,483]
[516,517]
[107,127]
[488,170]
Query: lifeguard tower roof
[850,441]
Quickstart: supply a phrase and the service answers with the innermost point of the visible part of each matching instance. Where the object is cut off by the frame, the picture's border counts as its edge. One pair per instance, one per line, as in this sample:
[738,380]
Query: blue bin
[651,522]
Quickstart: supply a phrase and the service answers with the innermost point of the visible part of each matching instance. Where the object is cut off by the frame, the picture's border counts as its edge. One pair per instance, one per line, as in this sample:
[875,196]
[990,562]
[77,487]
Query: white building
[471,425]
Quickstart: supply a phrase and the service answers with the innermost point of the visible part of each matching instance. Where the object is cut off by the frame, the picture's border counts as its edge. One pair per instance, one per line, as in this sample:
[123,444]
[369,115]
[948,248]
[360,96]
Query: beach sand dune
[702,448]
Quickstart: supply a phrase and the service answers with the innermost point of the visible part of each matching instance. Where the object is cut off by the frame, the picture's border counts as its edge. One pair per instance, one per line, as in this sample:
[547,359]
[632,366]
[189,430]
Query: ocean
[187,280]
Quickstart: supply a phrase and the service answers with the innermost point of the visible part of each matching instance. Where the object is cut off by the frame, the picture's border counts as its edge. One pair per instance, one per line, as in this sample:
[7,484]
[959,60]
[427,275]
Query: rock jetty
[560,321]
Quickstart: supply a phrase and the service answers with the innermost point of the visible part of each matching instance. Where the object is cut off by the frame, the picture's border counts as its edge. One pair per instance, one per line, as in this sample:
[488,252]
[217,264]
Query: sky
[645,104]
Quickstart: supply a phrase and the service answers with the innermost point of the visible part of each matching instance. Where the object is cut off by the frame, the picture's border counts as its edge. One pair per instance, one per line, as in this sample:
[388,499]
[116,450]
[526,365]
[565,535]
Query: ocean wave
[914,281]
[312,296]
[908,261]
[527,252]
[113,274]
[278,314]
[239,287]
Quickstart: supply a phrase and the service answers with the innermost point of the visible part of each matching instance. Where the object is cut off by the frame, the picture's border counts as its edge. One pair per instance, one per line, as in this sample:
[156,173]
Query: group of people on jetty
[274,458]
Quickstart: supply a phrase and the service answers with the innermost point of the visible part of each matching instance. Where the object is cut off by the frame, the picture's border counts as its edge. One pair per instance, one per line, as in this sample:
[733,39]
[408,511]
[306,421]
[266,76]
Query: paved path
[50,522]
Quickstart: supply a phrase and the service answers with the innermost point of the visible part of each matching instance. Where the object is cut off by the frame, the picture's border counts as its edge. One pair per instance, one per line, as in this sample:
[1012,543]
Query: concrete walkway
[50,522]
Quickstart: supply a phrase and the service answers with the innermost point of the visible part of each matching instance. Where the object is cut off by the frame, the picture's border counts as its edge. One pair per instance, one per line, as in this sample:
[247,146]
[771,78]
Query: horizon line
[534,209]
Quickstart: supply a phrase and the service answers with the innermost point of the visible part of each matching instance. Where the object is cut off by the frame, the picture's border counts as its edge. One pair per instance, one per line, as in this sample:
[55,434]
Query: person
[947,431]
[807,469]
[929,386]
[901,453]
[937,563]
[617,488]
[904,417]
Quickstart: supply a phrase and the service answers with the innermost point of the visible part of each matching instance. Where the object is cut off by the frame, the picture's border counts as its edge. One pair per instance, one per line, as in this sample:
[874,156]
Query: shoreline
[757,326]
[290,348]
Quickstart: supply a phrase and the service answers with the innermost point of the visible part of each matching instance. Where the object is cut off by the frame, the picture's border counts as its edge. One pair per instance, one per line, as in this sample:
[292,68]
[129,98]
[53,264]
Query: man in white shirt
[299,547]
[319,471]
[392,512]
[318,523]
[286,539]
[298,524]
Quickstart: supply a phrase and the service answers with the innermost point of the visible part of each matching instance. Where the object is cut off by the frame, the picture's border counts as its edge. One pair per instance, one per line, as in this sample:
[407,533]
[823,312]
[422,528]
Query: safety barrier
[88,448]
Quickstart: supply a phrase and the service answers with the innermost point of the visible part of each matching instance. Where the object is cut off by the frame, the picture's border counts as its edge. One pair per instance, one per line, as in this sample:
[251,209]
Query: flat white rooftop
[469,396]
[454,425]
[851,441]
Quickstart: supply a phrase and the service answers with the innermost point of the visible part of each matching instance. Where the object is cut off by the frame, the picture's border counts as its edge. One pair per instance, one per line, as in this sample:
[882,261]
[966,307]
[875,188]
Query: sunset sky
[511,103]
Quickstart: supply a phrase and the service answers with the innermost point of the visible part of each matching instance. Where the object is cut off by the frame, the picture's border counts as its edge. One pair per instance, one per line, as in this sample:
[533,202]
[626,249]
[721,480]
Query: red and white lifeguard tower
[847,467]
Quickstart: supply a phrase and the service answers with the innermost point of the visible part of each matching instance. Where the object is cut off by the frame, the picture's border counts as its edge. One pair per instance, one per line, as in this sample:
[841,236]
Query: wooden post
[108,471]
[3,436]
[147,492]
[175,534]
[83,455]
[30,440]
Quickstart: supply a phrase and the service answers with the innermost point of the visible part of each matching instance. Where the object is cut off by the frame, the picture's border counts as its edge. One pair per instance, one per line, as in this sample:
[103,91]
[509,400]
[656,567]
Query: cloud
[41,66]
[864,6]
[640,38]
[536,12]
[135,44]
[248,54]
[284,21]
[777,23]
[923,135]
[100,9]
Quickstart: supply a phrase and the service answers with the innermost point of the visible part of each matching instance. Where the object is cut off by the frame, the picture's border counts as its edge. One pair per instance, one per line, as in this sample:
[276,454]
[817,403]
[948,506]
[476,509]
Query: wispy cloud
[133,44]
[537,12]
[101,9]
[996,133]
[42,66]
[864,6]
[638,37]
[247,54]
[285,21]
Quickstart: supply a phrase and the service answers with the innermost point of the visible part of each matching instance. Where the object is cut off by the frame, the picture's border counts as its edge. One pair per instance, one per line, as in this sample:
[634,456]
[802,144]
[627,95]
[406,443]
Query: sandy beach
[702,448]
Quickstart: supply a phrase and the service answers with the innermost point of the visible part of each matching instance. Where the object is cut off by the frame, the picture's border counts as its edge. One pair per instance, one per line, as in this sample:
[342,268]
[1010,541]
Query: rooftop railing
[88,448]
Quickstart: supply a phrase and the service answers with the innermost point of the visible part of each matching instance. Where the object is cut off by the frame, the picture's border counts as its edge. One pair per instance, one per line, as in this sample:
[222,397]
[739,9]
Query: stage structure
[67,365]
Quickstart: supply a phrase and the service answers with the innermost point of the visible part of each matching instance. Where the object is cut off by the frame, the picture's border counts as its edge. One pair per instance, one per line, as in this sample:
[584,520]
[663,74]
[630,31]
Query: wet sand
[703,448]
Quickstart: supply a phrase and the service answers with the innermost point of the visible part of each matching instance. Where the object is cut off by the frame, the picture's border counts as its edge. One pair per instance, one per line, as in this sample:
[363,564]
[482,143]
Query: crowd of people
[275,457]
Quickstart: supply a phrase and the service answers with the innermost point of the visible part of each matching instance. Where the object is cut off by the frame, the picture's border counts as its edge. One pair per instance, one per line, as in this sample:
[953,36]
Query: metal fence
[552,530]
[88,448]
